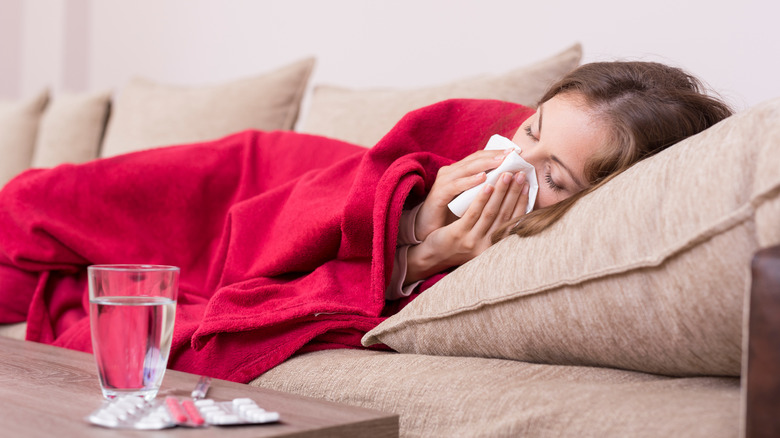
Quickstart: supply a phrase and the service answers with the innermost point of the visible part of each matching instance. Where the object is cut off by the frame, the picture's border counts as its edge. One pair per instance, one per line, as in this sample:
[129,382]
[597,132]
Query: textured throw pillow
[71,129]
[18,128]
[364,116]
[648,273]
[148,114]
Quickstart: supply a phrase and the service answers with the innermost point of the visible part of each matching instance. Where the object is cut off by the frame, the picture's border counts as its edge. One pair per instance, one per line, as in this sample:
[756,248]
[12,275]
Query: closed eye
[529,134]
[550,183]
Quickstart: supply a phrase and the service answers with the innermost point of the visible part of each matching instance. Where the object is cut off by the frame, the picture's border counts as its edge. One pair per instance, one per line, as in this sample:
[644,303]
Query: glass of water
[132,309]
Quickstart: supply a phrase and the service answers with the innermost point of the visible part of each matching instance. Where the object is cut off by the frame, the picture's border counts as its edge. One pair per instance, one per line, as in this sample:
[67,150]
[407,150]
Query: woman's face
[558,140]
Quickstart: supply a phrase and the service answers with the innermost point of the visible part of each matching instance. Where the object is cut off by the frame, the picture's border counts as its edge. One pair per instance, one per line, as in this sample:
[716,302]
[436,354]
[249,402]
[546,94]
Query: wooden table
[48,391]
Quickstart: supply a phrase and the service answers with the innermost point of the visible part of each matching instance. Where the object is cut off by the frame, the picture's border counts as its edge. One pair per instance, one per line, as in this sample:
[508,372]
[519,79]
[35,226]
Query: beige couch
[624,319]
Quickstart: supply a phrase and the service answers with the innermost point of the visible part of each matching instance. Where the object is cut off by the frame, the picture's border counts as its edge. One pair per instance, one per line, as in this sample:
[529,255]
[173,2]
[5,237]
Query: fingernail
[520,177]
[506,178]
[487,188]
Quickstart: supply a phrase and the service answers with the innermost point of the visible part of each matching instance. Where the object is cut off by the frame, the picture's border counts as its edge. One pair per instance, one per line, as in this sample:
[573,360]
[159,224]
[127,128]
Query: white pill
[267,417]
[229,419]
[242,401]
[150,424]
[252,407]
[104,419]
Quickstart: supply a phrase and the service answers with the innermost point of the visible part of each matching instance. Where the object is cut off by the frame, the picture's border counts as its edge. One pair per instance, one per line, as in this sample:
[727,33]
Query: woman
[598,120]
[286,241]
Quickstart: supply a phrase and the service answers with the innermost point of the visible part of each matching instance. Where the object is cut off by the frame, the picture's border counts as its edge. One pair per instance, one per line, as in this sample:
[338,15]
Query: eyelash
[528,132]
[551,183]
[547,177]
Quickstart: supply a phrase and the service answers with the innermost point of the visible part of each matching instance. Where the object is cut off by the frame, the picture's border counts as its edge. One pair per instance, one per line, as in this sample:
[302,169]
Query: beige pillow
[648,273]
[364,116]
[18,128]
[71,129]
[147,114]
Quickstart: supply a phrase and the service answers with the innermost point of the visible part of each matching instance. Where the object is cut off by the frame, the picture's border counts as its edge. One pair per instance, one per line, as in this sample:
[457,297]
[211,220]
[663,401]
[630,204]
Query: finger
[492,210]
[480,161]
[512,200]
[522,201]
[445,193]
[459,177]
[460,185]
[474,211]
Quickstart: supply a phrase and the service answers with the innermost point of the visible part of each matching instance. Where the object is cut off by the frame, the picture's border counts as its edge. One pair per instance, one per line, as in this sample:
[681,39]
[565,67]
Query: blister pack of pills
[136,413]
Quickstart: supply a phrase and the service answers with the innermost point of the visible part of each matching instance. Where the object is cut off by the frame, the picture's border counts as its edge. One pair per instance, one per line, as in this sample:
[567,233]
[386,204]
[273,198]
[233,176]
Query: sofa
[631,316]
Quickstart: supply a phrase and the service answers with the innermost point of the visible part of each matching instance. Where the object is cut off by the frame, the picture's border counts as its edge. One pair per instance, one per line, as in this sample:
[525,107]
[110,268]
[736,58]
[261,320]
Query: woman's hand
[469,236]
[451,181]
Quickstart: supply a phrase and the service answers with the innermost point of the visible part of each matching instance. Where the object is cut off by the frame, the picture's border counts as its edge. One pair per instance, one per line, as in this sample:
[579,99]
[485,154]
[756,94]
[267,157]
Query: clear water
[131,339]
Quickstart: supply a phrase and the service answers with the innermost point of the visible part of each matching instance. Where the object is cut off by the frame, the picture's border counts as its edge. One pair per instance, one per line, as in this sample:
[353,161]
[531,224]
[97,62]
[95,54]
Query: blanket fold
[285,240]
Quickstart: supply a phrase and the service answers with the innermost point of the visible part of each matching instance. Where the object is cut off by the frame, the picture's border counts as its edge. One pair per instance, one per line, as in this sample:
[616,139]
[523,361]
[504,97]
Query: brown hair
[649,106]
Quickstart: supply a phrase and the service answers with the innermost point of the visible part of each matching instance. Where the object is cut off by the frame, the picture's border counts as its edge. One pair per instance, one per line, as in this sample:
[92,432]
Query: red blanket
[285,240]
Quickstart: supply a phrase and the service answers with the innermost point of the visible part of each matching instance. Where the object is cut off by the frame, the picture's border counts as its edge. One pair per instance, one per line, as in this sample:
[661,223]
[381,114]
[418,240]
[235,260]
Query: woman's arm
[406,237]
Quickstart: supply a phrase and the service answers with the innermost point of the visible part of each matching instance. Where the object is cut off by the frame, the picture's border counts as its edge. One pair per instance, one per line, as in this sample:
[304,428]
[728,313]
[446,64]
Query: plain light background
[96,45]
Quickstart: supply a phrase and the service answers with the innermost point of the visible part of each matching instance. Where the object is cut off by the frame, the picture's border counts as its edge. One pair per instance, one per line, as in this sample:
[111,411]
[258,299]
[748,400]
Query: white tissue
[512,163]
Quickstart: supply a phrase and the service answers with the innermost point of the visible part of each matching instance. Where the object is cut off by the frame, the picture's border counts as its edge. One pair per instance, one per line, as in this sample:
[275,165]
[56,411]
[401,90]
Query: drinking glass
[132,310]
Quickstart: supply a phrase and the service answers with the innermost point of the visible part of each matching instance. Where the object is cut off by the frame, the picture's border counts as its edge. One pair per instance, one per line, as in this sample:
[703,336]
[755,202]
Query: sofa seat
[467,396]
[13,331]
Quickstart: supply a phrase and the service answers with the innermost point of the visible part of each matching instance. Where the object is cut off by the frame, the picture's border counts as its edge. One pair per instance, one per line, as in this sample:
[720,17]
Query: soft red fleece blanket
[285,241]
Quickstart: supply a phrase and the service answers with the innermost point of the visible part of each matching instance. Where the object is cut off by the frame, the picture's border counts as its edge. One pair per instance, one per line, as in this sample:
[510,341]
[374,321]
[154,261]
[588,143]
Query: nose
[532,156]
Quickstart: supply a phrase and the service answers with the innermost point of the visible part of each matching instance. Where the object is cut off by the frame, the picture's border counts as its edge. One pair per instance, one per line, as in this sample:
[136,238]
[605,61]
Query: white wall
[10,47]
[99,44]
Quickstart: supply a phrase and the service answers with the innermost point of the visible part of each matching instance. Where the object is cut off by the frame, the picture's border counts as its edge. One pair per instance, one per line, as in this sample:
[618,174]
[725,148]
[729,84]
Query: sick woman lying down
[290,243]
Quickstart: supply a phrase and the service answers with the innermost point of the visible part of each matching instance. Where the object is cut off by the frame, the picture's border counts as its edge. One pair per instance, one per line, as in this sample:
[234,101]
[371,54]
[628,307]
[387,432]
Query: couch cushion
[18,128]
[14,331]
[471,397]
[149,114]
[71,129]
[648,273]
[364,116]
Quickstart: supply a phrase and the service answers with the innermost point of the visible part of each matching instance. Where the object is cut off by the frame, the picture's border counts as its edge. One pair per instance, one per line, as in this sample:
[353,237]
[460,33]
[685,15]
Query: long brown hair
[648,106]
